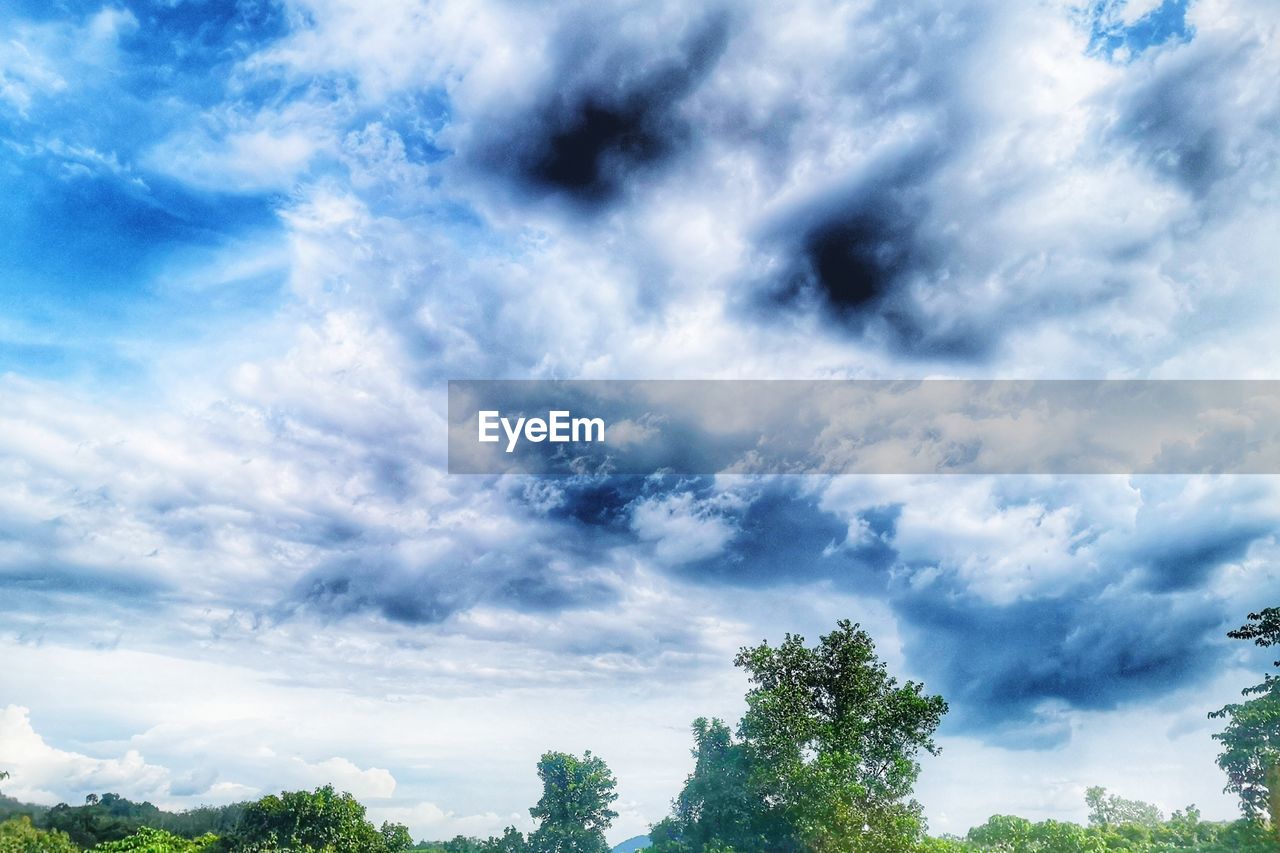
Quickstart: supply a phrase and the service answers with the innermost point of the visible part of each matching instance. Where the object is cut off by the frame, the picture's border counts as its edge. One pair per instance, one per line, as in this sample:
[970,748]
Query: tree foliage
[1183,831]
[833,740]
[319,820]
[20,835]
[717,804]
[1251,741]
[150,840]
[1110,810]
[111,817]
[574,810]
[824,760]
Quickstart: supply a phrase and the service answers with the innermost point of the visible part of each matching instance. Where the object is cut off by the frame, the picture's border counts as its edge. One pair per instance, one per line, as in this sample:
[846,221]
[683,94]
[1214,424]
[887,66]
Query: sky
[245,244]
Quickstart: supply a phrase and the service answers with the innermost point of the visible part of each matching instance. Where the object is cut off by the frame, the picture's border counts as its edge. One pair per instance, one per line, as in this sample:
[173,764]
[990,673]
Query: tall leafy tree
[1251,741]
[320,820]
[574,810]
[833,740]
[824,759]
[717,806]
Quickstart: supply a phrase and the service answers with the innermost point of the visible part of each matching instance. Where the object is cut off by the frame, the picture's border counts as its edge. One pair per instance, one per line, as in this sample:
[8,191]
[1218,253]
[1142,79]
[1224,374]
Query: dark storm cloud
[864,255]
[540,592]
[779,532]
[610,115]
[1177,121]
[782,536]
[110,583]
[541,573]
[1175,565]
[998,663]
[602,502]
[1144,624]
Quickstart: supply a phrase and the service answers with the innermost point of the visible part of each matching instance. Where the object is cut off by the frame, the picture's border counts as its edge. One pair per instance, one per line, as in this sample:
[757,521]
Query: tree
[574,810]
[19,835]
[314,820]
[395,837]
[717,805]
[150,840]
[832,740]
[511,841]
[1111,810]
[1251,741]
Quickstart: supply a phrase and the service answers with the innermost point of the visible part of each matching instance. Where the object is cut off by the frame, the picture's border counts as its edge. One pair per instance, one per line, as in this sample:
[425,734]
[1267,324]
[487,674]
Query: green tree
[511,841]
[395,837]
[322,820]
[1110,810]
[19,835]
[832,740]
[1002,832]
[150,840]
[1251,741]
[573,812]
[717,804]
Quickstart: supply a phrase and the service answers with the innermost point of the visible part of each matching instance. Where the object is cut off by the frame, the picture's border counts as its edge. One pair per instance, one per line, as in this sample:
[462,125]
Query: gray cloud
[826,189]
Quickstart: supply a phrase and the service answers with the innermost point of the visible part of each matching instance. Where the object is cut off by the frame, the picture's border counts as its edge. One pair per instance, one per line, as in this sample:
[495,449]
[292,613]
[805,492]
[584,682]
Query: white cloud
[38,770]
[247,161]
[427,821]
[682,529]
[223,518]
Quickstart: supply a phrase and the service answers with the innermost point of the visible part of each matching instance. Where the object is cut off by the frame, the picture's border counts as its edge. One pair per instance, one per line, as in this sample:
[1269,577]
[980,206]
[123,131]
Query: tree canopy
[1110,810]
[150,840]
[574,810]
[319,820]
[1251,741]
[824,759]
[20,835]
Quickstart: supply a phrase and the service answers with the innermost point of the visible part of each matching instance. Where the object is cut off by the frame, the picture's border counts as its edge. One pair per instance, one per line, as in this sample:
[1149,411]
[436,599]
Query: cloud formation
[223,421]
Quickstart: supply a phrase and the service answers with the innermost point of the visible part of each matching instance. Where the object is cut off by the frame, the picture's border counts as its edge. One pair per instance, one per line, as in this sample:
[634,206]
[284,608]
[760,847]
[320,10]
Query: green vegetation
[148,840]
[823,761]
[573,812]
[114,818]
[19,835]
[1251,742]
[1142,832]
[321,819]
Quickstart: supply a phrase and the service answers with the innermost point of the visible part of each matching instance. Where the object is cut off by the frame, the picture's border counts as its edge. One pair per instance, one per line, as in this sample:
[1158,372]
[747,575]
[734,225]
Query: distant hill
[112,817]
[638,842]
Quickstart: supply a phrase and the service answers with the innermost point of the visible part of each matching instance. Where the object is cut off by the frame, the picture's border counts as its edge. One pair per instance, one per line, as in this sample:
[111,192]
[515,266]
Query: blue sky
[244,245]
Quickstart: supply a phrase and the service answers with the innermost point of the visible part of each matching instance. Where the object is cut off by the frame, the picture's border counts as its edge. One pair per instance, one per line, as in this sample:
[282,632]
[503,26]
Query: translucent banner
[702,427]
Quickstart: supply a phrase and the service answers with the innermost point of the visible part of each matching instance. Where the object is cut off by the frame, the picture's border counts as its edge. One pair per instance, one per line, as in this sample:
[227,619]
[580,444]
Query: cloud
[1182,117]
[611,112]
[39,770]
[682,530]
[250,161]
[427,821]
[373,783]
[825,189]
